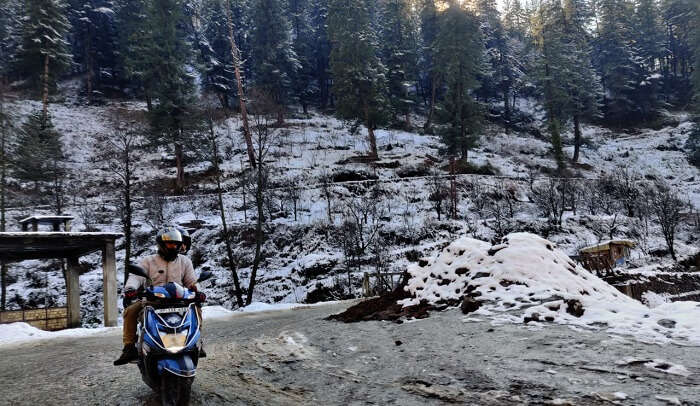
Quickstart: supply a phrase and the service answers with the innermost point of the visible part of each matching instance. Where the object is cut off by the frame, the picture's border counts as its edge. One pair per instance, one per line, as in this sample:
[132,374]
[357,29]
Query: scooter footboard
[180,365]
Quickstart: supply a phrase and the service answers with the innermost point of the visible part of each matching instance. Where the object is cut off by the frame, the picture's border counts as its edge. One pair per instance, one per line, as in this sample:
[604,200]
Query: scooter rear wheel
[175,390]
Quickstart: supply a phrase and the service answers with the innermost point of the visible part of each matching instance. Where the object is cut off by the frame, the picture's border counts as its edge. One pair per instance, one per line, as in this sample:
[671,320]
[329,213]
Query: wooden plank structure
[606,255]
[54,221]
[20,246]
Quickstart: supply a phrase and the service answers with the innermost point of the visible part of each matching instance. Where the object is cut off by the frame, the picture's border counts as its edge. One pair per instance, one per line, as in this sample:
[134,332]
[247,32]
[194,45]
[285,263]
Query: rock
[469,305]
[575,307]
[398,342]
[668,323]
[532,317]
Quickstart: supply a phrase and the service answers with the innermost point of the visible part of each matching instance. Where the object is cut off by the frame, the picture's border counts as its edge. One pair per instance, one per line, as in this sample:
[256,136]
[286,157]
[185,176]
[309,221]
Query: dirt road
[295,357]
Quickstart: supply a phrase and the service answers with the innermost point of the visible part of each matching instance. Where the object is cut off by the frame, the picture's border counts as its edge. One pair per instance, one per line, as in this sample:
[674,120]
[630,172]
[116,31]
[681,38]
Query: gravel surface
[295,357]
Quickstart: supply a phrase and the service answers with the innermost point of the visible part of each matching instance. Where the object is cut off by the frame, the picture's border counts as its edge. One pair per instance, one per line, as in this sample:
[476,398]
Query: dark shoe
[202,353]
[129,354]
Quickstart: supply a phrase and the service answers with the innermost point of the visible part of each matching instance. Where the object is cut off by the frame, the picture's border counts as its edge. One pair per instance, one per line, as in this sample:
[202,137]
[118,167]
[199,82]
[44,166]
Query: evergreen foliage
[359,81]
[43,34]
[272,54]
[38,150]
[399,55]
[458,51]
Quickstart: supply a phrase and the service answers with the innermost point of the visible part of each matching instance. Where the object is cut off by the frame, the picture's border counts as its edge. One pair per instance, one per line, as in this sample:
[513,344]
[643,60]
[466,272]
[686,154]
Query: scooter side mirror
[137,270]
[205,275]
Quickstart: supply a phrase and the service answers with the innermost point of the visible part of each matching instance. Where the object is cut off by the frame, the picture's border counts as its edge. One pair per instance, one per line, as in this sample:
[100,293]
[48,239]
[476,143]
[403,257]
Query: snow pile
[526,278]
[15,333]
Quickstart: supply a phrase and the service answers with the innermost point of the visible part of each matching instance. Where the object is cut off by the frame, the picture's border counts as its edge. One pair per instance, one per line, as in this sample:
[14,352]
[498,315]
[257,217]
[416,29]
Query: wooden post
[73,292]
[109,284]
[35,225]
[365,285]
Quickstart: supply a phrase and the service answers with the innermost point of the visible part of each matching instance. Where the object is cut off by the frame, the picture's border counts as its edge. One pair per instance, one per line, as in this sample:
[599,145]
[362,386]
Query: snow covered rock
[527,279]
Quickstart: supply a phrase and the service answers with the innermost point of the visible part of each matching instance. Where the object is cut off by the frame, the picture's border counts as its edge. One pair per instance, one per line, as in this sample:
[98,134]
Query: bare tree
[214,144]
[666,206]
[118,154]
[326,184]
[550,200]
[264,137]
[627,189]
[439,192]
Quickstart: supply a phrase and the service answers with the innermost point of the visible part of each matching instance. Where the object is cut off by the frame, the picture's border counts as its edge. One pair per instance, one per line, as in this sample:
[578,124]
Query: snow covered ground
[303,257]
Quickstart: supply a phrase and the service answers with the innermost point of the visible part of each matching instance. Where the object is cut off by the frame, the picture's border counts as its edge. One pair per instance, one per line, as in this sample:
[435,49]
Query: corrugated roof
[604,246]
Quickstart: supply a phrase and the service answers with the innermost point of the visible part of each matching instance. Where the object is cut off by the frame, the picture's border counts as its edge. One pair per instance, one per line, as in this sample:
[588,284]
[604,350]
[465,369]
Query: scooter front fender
[179,364]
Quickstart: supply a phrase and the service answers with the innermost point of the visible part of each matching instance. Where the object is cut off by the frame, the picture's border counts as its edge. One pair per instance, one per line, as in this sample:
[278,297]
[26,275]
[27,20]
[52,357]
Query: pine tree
[132,68]
[305,83]
[399,55]
[212,40]
[428,81]
[321,51]
[10,25]
[165,57]
[458,51]
[629,96]
[693,143]
[93,41]
[679,20]
[44,52]
[37,151]
[359,82]
[272,55]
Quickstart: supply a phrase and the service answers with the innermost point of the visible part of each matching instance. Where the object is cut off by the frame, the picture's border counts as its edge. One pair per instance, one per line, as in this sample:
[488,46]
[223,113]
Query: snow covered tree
[504,70]
[214,45]
[44,52]
[359,81]
[10,24]
[132,68]
[399,55]
[274,62]
[38,151]
[630,94]
[679,20]
[7,134]
[693,143]
[165,55]
[458,52]
[567,82]
[93,41]
[304,82]
[318,16]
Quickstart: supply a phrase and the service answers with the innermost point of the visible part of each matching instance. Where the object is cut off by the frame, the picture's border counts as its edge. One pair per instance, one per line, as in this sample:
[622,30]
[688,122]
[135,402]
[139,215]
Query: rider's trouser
[131,318]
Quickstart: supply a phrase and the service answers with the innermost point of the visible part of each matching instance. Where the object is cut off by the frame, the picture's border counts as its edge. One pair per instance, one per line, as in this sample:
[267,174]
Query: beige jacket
[161,272]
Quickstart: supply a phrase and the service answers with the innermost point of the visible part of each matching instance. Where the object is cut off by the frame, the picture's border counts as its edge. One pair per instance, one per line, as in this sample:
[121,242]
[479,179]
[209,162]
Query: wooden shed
[606,255]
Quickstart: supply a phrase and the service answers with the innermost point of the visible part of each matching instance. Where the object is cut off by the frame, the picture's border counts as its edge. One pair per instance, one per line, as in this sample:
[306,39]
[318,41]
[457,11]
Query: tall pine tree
[458,52]
[359,81]
[274,61]
[399,55]
[44,52]
[165,55]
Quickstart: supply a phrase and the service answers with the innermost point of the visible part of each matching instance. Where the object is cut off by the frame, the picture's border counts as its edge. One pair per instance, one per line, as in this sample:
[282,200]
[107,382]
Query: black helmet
[186,240]
[169,242]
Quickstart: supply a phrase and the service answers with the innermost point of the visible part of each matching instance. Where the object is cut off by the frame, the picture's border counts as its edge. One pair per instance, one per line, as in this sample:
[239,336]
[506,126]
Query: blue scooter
[169,339]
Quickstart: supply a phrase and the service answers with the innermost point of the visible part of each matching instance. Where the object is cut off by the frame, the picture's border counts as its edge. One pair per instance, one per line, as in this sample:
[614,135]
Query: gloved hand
[201,297]
[129,296]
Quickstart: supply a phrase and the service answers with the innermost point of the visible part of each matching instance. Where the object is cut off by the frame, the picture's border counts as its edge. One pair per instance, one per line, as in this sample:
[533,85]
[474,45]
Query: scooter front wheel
[175,390]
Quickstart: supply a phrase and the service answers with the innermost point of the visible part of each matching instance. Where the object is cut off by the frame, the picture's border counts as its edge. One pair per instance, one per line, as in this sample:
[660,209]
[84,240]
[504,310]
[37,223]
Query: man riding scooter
[165,266]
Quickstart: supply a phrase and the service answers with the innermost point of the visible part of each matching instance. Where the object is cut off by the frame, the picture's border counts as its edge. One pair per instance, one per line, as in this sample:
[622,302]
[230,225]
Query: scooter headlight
[173,342]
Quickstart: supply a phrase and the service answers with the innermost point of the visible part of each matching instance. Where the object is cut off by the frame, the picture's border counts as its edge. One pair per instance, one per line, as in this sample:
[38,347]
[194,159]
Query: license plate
[180,310]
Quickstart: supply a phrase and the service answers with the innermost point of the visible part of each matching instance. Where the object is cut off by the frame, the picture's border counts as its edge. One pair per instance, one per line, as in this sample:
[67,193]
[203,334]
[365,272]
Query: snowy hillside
[303,254]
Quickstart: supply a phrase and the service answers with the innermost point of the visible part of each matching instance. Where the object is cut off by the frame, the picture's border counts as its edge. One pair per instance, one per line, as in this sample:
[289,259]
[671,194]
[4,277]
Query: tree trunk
[370,132]
[577,137]
[258,234]
[506,111]
[45,93]
[149,101]
[180,177]
[239,83]
[407,115]
[227,240]
[429,122]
